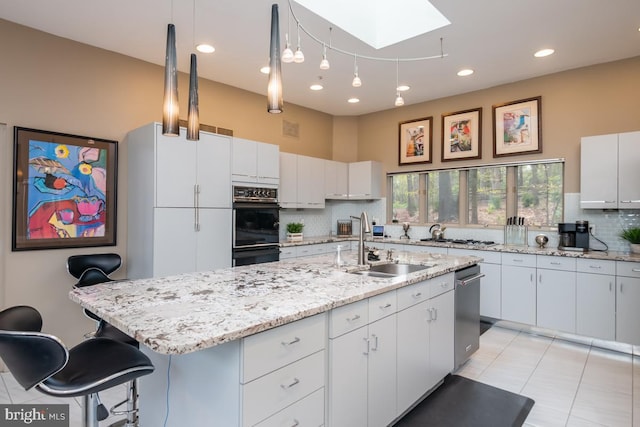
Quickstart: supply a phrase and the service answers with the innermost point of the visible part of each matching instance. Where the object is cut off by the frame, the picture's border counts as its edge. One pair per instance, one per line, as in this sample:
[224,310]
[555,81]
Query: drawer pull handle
[555,263]
[636,270]
[417,295]
[518,260]
[296,423]
[387,305]
[294,382]
[595,266]
[444,285]
[295,340]
[354,318]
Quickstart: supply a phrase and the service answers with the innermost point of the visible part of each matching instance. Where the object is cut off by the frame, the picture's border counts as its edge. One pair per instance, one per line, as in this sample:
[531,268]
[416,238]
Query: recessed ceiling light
[265,69]
[205,48]
[403,88]
[465,72]
[543,52]
[316,86]
[353,100]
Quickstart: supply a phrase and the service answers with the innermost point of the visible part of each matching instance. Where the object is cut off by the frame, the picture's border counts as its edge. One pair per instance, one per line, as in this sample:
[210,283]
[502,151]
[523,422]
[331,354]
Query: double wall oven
[256,224]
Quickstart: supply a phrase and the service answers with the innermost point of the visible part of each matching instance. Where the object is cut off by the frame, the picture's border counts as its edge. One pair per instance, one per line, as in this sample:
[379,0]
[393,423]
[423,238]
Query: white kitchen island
[266,344]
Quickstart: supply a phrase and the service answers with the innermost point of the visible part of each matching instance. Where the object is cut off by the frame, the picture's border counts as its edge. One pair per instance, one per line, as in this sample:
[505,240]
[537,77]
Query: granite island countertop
[190,312]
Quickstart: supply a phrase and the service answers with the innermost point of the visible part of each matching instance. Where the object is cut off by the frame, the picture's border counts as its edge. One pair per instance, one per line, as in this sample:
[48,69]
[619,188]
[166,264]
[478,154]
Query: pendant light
[193,119]
[287,53]
[298,57]
[356,79]
[170,111]
[324,64]
[399,100]
[274,89]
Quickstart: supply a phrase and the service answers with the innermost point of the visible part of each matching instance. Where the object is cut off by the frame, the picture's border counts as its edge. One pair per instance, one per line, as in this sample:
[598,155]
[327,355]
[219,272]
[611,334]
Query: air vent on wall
[290,129]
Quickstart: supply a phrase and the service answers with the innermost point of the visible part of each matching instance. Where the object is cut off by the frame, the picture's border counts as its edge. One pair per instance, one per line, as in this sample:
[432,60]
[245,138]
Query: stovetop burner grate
[470,242]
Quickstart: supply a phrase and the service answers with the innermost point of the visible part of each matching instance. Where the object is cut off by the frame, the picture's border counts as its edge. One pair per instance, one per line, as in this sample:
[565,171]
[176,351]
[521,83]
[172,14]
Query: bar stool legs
[132,407]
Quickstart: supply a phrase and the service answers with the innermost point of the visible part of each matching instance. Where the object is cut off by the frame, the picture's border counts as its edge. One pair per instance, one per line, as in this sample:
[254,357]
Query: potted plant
[632,235]
[294,231]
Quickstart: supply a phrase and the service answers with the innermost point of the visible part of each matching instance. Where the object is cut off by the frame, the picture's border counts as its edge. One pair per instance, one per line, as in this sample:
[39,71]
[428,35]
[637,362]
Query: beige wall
[55,84]
[587,101]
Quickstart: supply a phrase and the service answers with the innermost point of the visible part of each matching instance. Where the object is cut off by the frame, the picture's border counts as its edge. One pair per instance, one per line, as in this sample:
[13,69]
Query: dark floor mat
[461,402]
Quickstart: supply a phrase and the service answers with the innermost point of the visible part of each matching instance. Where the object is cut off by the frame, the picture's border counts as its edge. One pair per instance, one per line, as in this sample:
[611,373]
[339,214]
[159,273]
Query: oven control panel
[255,194]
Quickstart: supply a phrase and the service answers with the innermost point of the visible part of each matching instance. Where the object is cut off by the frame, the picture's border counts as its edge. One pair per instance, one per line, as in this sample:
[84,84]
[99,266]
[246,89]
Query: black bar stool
[42,361]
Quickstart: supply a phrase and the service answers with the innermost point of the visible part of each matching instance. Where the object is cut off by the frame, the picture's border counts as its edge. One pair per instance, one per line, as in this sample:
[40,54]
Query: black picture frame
[64,190]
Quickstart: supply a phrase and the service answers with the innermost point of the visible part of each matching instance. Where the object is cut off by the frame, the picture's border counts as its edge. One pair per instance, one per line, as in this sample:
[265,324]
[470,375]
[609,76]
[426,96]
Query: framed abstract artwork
[517,127]
[462,135]
[415,141]
[64,190]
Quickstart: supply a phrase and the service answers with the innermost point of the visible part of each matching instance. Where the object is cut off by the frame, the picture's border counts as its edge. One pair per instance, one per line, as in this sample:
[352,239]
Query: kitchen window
[480,195]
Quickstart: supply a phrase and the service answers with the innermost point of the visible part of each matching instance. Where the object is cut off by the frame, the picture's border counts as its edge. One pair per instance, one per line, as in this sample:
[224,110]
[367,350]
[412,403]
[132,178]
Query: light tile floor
[572,384]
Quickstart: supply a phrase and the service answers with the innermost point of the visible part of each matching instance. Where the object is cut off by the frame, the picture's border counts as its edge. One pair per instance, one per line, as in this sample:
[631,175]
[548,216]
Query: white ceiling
[497,38]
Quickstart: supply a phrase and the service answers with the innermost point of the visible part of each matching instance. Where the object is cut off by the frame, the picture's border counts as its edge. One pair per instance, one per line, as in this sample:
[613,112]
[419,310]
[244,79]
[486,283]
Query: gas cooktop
[468,242]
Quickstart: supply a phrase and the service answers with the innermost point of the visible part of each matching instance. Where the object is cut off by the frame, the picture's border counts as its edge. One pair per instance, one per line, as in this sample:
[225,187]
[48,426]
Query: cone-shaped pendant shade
[274,90]
[193,120]
[170,111]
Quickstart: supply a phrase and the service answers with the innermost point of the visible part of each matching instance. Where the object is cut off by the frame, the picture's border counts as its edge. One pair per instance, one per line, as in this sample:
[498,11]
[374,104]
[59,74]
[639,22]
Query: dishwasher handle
[465,281]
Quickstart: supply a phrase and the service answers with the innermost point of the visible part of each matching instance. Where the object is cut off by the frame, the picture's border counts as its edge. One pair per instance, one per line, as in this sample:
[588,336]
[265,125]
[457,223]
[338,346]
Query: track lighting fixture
[356,79]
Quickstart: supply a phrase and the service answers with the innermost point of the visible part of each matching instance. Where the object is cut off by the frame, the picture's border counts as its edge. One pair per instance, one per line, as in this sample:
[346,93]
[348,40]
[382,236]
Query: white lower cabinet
[556,293]
[596,299]
[519,288]
[425,337]
[627,302]
[362,363]
[491,283]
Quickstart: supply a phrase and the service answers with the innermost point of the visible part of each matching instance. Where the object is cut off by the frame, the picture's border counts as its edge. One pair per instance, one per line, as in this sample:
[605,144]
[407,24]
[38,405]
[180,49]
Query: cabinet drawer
[306,250]
[440,285]
[288,252]
[520,260]
[413,294]
[382,305]
[272,349]
[627,269]
[274,392]
[488,257]
[306,412]
[556,263]
[596,266]
[348,317]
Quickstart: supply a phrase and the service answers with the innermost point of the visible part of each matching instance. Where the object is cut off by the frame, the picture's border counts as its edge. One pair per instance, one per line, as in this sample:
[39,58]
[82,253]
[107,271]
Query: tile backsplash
[607,224]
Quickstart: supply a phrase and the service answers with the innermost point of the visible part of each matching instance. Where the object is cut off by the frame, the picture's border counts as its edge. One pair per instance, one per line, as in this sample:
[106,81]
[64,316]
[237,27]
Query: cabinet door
[268,163]
[348,379]
[596,306]
[174,245]
[288,195]
[245,160]
[556,300]
[599,172]
[628,315]
[175,170]
[336,179]
[412,354]
[214,172]
[382,372]
[441,337]
[628,170]
[213,240]
[519,294]
[365,180]
[490,291]
[310,173]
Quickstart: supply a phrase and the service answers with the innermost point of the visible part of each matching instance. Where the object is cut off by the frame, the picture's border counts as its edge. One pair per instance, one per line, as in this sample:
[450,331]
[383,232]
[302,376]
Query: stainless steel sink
[392,270]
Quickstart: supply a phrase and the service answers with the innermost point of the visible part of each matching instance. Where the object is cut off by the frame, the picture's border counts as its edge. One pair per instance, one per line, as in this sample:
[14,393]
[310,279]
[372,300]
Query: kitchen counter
[534,250]
[189,312]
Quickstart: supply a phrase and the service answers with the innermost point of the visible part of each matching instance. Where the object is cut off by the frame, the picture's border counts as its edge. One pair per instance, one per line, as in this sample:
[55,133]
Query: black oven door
[255,224]
[256,255]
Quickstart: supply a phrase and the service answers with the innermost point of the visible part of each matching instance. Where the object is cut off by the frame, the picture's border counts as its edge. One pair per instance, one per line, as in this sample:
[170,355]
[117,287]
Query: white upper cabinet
[301,182]
[336,180]
[365,180]
[255,162]
[609,171]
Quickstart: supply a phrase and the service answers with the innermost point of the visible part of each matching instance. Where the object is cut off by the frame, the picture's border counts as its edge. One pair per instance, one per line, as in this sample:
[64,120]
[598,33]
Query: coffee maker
[573,236]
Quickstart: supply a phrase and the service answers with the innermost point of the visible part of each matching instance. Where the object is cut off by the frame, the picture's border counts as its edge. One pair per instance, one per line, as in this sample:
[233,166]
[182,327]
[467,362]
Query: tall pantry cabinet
[179,202]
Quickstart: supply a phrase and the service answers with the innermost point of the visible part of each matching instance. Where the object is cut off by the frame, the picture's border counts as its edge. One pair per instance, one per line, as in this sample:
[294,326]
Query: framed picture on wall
[64,190]
[517,127]
[462,135]
[415,141]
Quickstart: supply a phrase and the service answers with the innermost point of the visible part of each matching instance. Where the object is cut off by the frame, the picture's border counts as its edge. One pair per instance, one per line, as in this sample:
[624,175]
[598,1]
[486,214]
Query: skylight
[379,23]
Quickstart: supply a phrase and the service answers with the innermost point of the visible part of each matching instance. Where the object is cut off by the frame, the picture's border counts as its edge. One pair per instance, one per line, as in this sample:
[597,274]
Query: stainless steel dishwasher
[467,313]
